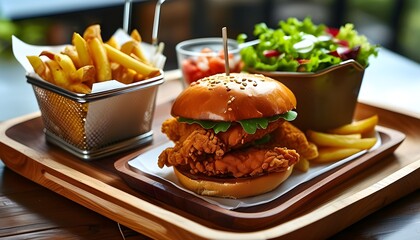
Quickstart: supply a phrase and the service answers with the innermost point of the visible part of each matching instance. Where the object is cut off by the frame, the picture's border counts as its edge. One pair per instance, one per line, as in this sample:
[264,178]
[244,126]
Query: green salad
[302,46]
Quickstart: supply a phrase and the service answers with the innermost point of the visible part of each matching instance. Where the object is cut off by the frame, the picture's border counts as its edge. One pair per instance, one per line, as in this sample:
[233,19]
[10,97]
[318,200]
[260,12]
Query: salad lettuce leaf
[249,125]
[302,46]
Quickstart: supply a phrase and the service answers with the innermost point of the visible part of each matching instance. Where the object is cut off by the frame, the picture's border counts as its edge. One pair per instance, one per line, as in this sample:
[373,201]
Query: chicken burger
[232,136]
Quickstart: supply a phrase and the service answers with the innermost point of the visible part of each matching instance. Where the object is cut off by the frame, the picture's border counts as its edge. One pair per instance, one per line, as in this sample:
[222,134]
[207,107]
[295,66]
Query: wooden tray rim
[391,139]
[177,222]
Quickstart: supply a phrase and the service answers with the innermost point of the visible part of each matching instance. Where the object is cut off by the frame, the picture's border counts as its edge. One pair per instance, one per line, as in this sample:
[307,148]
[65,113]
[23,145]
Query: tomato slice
[189,70]
[216,65]
[195,69]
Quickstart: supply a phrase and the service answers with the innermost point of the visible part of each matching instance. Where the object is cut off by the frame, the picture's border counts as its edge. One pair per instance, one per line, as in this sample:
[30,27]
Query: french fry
[82,50]
[138,77]
[342,142]
[361,126]
[85,74]
[135,35]
[41,68]
[127,47]
[113,42]
[72,53]
[117,70]
[60,77]
[93,31]
[132,47]
[47,54]
[88,60]
[100,59]
[65,63]
[139,53]
[79,88]
[332,154]
[128,76]
[303,165]
[335,140]
[129,62]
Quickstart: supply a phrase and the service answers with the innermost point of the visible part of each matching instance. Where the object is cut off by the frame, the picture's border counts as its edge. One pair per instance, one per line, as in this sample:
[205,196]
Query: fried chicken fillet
[221,154]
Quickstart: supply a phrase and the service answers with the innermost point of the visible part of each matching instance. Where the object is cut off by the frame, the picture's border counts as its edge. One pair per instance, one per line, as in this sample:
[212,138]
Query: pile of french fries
[89,60]
[342,142]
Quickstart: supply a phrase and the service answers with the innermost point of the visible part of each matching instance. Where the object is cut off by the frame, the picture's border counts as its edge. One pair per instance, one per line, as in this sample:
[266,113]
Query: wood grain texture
[262,216]
[96,186]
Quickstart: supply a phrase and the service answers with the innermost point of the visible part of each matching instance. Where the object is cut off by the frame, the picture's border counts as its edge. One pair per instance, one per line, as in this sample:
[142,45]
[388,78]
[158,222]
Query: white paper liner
[21,50]
[103,119]
[147,163]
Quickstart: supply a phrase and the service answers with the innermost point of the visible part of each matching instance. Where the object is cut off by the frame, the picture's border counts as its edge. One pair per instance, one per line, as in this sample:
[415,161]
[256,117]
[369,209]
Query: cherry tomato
[271,53]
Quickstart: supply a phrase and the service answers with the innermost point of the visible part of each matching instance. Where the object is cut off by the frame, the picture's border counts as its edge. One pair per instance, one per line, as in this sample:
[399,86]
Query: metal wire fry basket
[96,125]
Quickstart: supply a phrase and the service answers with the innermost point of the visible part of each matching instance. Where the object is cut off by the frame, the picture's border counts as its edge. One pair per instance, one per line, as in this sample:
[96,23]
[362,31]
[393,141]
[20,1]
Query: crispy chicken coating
[192,141]
[214,154]
[291,137]
[246,162]
[194,145]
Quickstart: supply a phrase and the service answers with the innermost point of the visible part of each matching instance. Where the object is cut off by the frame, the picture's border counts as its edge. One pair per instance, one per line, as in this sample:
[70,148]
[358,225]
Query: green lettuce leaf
[347,32]
[249,125]
[206,124]
[311,58]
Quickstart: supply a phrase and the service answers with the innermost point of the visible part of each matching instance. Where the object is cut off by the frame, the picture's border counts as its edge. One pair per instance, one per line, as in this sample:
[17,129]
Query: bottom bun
[232,188]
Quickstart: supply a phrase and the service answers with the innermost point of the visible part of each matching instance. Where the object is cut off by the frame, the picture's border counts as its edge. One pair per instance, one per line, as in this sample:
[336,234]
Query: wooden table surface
[28,210]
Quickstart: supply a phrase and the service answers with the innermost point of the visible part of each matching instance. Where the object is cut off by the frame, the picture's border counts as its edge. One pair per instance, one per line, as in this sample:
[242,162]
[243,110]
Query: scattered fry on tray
[336,140]
[362,126]
[342,142]
[303,165]
[89,60]
[331,154]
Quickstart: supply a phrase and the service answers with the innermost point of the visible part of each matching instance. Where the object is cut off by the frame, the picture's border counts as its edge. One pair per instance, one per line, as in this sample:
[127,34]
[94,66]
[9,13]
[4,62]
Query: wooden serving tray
[161,212]
[260,216]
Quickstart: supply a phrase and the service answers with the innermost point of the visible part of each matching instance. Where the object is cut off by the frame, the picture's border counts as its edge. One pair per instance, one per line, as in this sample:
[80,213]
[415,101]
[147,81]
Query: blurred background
[392,24]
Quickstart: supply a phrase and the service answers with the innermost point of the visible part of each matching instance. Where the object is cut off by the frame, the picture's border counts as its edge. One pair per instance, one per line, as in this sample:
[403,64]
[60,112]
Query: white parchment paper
[147,162]
[108,119]
[21,50]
